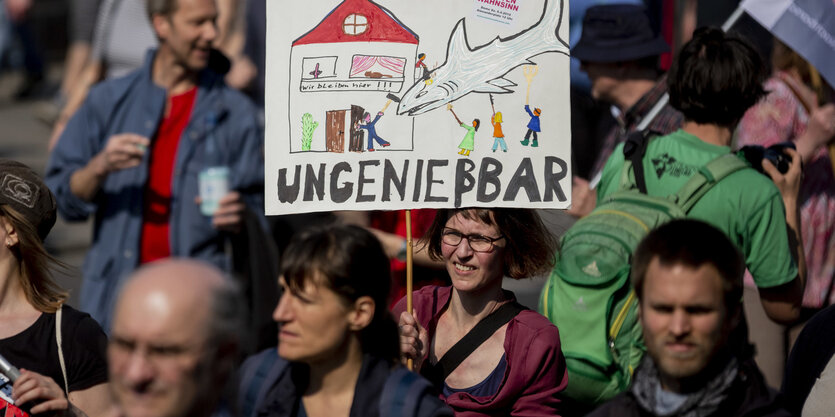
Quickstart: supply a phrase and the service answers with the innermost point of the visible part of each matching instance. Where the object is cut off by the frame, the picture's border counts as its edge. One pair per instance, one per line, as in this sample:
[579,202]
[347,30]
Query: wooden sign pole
[409,252]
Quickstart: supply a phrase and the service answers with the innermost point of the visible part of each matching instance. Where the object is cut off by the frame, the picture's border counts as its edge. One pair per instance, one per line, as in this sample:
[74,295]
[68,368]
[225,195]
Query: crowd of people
[191,307]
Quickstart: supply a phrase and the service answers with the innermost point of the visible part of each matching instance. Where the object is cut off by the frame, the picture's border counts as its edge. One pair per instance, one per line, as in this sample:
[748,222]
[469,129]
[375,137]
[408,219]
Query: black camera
[775,154]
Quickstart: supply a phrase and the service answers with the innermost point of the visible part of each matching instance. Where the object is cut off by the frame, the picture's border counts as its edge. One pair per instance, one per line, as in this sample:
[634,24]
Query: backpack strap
[708,176]
[58,340]
[402,393]
[634,149]
[482,331]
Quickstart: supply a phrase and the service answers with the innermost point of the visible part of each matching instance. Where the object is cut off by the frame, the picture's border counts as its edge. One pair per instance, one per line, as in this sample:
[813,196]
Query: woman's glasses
[478,243]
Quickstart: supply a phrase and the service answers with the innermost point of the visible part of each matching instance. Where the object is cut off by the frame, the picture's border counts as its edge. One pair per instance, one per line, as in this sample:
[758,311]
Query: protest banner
[807,26]
[394,104]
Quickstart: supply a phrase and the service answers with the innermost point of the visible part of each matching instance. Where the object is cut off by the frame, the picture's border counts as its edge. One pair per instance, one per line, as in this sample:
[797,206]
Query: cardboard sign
[394,104]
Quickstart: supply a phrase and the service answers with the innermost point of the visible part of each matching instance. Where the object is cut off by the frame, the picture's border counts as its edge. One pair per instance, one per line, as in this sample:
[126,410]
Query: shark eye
[421,94]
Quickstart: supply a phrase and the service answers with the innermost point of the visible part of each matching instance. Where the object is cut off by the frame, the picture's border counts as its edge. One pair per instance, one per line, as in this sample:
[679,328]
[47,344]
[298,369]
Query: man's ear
[12,238]
[162,25]
[362,313]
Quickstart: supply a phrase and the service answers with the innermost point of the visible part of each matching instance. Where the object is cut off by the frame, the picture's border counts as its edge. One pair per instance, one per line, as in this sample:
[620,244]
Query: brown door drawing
[356,134]
[335,132]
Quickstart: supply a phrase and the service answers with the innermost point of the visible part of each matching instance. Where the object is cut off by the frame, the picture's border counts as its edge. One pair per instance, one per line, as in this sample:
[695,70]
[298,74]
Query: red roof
[383,26]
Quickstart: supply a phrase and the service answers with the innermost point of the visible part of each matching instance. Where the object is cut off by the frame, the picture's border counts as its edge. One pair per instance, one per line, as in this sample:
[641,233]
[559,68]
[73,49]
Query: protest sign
[394,104]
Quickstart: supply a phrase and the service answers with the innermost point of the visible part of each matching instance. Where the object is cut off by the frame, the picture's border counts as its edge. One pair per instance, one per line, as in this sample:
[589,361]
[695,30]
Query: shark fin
[502,82]
[495,86]
[458,45]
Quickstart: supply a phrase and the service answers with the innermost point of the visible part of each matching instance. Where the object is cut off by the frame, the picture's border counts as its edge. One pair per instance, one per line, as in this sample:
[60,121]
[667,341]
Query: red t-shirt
[157,205]
[395,222]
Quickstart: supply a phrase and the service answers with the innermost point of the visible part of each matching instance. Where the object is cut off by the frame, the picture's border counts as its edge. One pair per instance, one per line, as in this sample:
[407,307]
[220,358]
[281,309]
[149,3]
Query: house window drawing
[355,24]
[319,67]
[347,65]
[365,66]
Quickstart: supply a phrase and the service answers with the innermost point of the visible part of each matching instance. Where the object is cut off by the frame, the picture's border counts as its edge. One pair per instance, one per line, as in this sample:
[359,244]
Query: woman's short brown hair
[35,264]
[530,250]
[349,261]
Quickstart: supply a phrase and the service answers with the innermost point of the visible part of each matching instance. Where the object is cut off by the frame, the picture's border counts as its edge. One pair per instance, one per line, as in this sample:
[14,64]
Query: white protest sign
[394,104]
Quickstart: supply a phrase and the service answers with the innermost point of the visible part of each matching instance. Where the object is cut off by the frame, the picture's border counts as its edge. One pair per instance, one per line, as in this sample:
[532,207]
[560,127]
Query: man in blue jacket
[132,154]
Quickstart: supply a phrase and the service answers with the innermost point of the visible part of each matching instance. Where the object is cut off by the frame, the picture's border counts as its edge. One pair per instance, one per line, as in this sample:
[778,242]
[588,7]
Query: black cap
[22,189]
[617,32]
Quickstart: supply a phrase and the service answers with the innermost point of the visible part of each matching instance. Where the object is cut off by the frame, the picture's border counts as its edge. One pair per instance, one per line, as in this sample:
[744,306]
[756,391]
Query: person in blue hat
[619,51]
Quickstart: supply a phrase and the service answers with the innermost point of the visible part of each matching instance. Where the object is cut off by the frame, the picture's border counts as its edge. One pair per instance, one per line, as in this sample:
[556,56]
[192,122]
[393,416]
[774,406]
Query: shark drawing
[482,69]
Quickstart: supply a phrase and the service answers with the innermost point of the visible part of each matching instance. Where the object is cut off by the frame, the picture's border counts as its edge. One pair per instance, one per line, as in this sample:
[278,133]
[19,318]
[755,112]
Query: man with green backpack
[649,181]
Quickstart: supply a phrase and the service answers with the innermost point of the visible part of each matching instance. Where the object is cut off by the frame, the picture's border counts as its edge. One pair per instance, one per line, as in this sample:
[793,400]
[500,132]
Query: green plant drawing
[308,126]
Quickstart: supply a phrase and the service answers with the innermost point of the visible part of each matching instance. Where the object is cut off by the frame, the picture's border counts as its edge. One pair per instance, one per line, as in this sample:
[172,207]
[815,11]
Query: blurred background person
[515,365]
[619,51]
[118,160]
[797,109]
[81,20]
[338,343]
[810,371]
[176,339]
[122,36]
[17,36]
[59,350]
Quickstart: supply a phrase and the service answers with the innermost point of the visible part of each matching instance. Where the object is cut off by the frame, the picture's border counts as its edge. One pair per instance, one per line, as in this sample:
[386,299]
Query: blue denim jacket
[134,104]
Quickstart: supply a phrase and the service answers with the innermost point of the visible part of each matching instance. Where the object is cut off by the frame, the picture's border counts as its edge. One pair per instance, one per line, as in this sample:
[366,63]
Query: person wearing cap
[132,155]
[619,51]
[59,351]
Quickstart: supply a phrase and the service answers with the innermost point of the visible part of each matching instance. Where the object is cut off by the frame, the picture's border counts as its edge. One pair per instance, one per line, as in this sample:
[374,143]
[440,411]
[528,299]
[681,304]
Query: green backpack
[588,295]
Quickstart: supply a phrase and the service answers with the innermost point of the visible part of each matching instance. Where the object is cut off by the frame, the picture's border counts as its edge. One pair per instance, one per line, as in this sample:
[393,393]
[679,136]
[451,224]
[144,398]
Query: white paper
[329,62]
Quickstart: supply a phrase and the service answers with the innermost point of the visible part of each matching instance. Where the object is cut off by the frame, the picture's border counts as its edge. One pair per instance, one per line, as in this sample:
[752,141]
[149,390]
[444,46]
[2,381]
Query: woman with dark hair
[488,354]
[60,352]
[338,343]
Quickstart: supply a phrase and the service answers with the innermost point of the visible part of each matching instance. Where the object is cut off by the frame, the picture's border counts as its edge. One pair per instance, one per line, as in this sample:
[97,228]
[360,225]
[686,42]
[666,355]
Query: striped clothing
[667,121]
[122,36]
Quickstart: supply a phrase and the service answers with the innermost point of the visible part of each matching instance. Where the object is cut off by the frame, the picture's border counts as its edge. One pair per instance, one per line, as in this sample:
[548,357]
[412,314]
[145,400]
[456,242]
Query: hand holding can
[213,184]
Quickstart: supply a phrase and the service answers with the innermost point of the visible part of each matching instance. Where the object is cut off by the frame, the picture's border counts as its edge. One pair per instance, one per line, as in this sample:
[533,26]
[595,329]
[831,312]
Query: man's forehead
[156,320]
[175,308]
[683,282]
[190,7]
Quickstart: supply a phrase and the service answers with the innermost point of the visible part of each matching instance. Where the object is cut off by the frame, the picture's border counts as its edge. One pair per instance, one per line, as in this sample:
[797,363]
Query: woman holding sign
[488,354]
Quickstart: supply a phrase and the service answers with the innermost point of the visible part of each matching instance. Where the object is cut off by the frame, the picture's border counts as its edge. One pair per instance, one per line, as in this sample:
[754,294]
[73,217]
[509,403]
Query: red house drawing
[358,21]
[360,50]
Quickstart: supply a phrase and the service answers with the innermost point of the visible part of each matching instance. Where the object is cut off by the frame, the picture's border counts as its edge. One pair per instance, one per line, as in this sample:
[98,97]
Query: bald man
[174,340]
